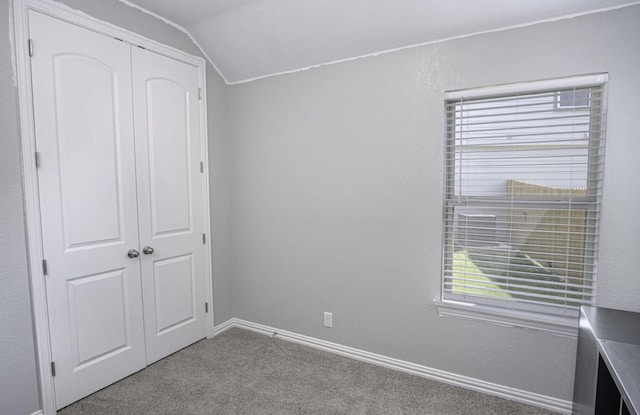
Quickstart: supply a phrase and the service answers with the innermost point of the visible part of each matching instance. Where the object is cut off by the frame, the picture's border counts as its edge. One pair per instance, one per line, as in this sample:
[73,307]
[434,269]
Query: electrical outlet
[328,319]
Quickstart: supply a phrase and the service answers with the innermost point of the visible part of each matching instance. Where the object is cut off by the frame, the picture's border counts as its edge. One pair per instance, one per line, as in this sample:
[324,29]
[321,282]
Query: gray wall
[220,193]
[328,197]
[337,179]
[113,11]
[19,382]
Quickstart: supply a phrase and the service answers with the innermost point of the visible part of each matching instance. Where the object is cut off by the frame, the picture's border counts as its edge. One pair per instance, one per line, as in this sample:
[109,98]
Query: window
[573,98]
[523,184]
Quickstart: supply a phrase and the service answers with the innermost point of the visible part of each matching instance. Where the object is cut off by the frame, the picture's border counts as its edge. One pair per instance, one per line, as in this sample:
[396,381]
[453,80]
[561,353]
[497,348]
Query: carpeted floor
[244,373]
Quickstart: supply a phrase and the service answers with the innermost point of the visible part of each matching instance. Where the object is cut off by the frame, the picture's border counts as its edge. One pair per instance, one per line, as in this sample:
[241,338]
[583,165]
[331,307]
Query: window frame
[533,316]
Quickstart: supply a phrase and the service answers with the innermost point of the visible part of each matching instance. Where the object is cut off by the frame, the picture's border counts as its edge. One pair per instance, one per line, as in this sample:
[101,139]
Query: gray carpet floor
[244,373]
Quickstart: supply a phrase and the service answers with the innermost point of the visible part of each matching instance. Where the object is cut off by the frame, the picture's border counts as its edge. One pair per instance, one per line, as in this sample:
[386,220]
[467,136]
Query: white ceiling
[248,39]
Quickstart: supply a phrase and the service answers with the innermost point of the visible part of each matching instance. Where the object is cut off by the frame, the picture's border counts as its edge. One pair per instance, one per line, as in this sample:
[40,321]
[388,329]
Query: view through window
[522,196]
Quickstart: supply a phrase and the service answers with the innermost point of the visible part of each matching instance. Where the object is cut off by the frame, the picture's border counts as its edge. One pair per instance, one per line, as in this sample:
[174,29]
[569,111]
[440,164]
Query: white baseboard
[543,401]
[220,328]
[38,412]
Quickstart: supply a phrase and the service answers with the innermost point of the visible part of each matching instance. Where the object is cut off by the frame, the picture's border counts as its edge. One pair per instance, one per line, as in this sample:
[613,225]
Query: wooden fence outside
[553,237]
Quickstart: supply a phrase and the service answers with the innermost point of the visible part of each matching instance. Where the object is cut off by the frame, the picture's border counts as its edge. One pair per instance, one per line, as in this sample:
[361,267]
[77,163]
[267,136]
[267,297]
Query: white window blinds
[523,184]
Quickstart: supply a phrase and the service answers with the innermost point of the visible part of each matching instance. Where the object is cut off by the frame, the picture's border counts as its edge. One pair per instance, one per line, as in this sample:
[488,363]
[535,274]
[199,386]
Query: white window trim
[548,84]
[506,317]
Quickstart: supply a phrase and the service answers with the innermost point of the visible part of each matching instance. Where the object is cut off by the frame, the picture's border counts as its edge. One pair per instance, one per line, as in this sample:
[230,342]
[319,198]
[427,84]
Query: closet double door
[118,135]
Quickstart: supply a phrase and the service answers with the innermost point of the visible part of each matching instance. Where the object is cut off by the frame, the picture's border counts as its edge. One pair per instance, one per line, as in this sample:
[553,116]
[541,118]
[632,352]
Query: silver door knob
[133,253]
[147,250]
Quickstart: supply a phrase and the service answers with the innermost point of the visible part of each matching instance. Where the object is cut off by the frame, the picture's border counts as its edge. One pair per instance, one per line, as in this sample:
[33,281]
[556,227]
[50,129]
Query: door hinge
[202,167]
[30,44]
[204,238]
[53,368]
[37,160]
[44,267]
[206,307]
[199,93]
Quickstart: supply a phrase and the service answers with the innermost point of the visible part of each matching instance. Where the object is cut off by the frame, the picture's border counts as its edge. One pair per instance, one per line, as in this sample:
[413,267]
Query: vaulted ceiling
[248,39]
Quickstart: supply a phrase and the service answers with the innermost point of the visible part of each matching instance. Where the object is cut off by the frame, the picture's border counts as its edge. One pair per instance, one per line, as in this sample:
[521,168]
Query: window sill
[558,325]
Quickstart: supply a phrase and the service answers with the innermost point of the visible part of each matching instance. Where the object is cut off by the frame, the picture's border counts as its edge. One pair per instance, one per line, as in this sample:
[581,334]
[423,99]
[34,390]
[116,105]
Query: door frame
[35,255]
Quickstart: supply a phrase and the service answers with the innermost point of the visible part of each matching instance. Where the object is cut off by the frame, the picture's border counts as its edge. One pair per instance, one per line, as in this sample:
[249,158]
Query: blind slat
[523,183]
[539,297]
[592,131]
[469,277]
[521,288]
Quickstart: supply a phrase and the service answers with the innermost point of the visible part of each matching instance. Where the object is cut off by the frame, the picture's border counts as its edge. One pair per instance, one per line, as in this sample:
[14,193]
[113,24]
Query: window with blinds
[523,184]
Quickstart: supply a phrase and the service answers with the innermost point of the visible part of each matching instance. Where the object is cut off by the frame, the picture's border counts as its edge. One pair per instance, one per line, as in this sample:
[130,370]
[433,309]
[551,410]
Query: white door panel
[170,205]
[97,310]
[87,150]
[174,294]
[84,134]
[168,134]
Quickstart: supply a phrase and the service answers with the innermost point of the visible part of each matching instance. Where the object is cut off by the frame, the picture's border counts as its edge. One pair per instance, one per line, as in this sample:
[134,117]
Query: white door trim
[30,175]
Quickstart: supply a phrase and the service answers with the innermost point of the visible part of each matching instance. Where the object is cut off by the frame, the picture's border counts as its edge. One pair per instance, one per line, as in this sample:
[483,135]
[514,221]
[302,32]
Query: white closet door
[168,155]
[84,134]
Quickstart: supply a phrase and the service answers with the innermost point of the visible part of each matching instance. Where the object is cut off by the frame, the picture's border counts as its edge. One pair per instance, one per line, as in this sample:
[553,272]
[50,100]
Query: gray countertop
[623,361]
[617,334]
[609,324]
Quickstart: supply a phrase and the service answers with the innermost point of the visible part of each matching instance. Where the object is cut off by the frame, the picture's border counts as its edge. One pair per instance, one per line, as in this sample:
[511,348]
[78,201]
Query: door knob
[133,253]
[147,250]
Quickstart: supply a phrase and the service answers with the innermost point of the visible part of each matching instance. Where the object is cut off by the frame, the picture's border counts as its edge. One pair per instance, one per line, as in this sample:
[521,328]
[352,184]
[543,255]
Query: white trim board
[221,328]
[556,325]
[530,398]
[180,28]
[437,41]
[30,175]
[372,54]
[534,86]
[78,17]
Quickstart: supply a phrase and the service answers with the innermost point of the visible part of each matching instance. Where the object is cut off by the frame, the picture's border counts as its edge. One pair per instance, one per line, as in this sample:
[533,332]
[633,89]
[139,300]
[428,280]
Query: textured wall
[337,178]
[220,193]
[18,380]
[18,385]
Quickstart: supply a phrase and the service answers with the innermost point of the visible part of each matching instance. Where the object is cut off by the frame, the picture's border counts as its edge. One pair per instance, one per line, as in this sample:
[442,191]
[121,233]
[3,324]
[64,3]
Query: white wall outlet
[328,319]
